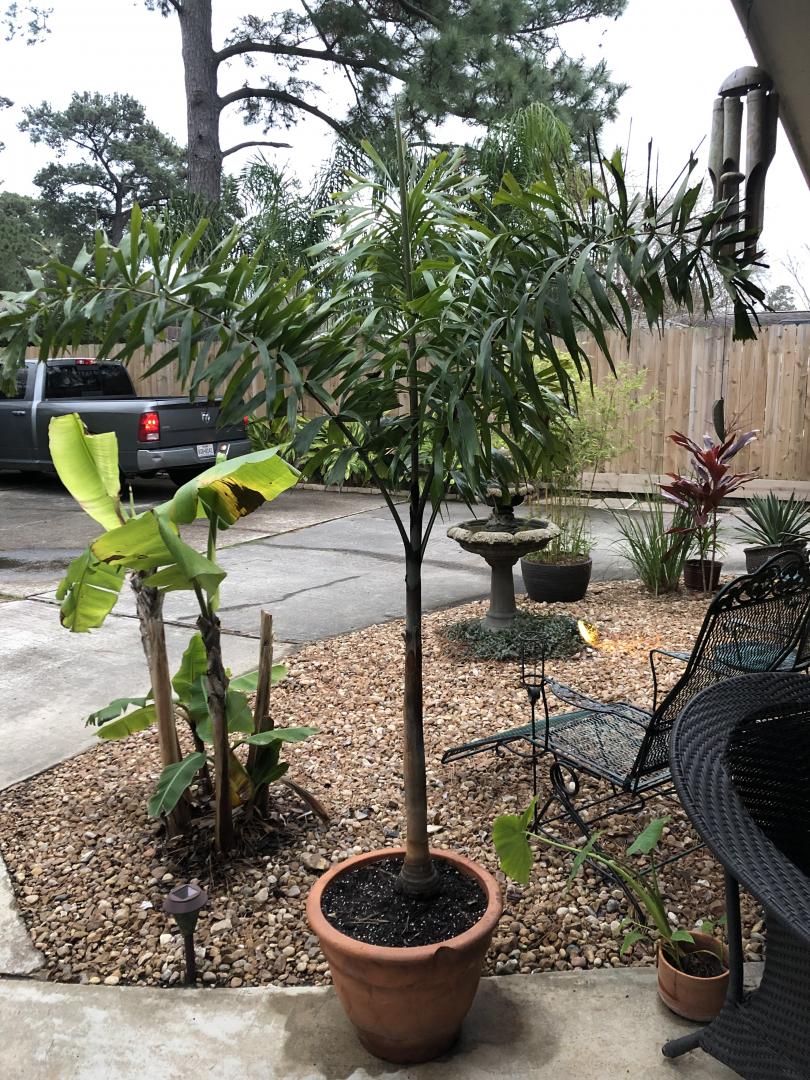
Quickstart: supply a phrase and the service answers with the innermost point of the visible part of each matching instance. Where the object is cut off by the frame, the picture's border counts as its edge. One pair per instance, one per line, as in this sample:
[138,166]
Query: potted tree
[692,964]
[701,496]
[770,525]
[418,339]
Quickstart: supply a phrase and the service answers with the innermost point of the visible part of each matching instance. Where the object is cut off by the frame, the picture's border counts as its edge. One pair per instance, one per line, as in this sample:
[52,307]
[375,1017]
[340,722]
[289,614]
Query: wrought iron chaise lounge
[755,623]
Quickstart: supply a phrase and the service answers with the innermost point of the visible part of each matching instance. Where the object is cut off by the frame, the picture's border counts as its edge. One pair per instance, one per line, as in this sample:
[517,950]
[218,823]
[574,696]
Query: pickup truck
[154,434]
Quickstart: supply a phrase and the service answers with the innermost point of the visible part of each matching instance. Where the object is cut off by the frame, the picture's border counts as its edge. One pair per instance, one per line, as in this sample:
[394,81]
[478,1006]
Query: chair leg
[565,791]
[676,1047]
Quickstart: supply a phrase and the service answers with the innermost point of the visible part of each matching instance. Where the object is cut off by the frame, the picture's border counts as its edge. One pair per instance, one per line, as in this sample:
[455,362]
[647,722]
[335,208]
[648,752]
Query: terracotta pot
[697,573]
[688,995]
[556,583]
[407,1004]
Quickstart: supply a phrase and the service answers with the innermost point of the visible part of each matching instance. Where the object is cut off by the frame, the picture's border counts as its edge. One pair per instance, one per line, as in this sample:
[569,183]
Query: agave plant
[773,522]
[702,494]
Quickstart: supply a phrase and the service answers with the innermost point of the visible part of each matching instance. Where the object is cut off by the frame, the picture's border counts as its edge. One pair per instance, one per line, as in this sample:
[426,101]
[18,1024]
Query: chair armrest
[589,704]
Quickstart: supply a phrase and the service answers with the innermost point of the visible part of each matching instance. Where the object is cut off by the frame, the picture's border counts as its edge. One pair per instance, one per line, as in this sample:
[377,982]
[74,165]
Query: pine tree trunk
[149,606]
[217,707]
[202,100]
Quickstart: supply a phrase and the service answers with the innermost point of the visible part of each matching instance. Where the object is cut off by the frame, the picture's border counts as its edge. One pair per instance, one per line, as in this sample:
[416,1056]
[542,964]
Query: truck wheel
[182,476]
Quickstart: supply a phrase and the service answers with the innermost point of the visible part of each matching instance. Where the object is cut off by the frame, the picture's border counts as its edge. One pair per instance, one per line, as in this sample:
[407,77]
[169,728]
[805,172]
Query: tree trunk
[418,876]
[262,721]
[202,100]
[217,707]
[149,606]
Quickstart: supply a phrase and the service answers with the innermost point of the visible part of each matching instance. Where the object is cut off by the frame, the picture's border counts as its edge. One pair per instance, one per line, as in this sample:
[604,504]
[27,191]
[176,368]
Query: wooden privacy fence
[765,384]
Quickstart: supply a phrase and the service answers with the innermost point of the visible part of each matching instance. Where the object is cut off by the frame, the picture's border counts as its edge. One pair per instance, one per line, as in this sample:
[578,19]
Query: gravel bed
[90,870]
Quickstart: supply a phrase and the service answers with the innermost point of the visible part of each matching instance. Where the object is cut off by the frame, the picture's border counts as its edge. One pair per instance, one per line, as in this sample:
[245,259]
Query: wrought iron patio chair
[627,746]
[740,762]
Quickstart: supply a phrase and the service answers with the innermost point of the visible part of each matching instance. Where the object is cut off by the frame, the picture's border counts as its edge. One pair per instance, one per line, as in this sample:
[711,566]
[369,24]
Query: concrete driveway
[322,562]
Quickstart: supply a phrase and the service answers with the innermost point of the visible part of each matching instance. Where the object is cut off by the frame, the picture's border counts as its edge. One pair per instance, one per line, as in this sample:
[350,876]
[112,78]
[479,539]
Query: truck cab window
[87,381]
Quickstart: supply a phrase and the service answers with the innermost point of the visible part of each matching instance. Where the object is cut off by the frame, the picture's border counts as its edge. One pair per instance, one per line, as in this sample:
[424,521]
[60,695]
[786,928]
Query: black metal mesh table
[740,756]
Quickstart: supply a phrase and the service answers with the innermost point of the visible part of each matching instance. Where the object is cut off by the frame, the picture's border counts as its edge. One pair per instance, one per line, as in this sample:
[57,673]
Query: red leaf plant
[702,494]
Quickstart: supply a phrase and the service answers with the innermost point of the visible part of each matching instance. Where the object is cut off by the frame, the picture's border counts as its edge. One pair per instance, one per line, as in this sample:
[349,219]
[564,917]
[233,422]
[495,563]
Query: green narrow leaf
[114,709]
[630,940]
[88,592]
[193,667]
[172,782]
[137,720]
[290,734]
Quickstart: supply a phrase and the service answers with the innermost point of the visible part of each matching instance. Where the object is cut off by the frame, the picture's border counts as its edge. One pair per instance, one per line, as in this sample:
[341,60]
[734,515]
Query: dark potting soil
[365,904]
[703,965]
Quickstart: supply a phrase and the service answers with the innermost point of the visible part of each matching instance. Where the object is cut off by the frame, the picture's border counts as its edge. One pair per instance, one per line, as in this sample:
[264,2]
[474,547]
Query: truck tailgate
[184,424]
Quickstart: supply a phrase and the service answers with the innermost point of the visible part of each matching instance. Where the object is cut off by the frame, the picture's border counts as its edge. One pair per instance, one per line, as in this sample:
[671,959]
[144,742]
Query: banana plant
[149,544]
[87,465]
[125,716]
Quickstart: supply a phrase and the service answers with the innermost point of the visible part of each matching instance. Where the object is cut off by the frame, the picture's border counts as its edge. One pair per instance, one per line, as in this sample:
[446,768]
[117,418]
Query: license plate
[205,450]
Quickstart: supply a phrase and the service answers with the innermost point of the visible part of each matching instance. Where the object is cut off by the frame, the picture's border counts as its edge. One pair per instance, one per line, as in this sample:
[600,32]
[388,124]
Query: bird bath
[501,540]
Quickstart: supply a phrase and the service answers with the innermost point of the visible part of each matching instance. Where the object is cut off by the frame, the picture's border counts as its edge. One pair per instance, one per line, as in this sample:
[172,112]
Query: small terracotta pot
[698,573]
[688,995]
[407,1004]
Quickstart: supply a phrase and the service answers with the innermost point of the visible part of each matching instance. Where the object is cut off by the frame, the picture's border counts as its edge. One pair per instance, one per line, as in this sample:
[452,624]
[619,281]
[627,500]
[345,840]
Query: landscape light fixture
[185,902]
[588,633]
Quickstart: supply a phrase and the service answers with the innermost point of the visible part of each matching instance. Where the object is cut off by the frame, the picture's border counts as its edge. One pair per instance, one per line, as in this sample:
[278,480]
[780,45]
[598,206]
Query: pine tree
[475,60]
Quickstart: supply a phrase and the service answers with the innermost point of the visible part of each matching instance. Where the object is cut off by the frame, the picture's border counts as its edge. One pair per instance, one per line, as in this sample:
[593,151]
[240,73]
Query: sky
[674,54]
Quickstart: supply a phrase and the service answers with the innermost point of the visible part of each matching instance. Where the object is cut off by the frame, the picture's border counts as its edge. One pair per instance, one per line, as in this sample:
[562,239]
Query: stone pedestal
[501,540]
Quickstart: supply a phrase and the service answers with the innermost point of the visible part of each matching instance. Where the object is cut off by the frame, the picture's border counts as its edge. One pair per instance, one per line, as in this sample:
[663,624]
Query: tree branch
[286,99]
[363,454]
[327,56]
[255,142]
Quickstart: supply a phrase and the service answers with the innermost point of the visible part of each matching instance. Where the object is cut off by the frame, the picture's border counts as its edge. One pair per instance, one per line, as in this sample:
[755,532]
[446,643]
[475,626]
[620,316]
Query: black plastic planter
[556,583]
[702,575]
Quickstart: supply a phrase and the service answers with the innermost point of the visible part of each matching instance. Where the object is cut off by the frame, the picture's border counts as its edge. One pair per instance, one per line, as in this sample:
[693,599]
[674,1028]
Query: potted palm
[701,496]
[418,339]
[692,964]
[770,525]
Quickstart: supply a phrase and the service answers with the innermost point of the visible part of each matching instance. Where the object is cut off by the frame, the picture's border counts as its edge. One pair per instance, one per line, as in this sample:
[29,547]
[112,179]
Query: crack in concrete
[290,595]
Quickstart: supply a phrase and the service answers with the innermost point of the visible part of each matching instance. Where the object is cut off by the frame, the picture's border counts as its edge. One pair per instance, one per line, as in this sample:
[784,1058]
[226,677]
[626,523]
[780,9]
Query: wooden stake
[262,720]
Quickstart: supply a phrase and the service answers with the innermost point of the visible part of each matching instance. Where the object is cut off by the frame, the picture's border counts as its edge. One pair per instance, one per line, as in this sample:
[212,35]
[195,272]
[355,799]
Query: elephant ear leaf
[88,467]
[231,489]
[88,592]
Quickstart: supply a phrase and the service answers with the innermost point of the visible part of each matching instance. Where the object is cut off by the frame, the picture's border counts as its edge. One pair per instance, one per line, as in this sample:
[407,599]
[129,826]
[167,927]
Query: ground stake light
[588,632]
[185,902]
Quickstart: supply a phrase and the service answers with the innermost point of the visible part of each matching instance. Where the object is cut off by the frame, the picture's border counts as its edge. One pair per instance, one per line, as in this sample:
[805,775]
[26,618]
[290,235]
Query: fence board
[766,385]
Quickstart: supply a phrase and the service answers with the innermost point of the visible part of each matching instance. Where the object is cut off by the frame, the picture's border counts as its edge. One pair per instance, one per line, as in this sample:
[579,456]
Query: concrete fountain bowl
[501,540]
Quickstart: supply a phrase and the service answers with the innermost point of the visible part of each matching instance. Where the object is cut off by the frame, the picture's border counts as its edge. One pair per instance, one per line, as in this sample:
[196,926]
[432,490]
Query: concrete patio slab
[600,1025]
[51,680]
[17,954]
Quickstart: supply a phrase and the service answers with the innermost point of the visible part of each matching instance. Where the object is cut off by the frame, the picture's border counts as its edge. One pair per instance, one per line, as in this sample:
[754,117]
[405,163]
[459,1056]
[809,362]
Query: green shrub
[655,550]
[556,634]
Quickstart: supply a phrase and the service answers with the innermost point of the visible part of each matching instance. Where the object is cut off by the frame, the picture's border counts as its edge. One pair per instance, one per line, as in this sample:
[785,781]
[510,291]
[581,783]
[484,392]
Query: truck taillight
[149,427]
